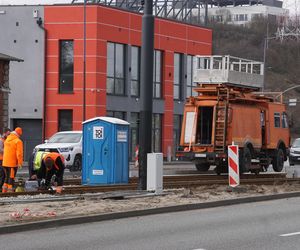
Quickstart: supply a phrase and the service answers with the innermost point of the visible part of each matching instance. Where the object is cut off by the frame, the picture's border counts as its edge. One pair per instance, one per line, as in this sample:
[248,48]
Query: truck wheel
[245,160]
[77,165]
[278,161]
[202,166]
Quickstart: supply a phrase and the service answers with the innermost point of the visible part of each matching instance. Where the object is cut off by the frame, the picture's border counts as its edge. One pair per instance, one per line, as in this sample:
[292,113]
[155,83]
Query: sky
[292,5]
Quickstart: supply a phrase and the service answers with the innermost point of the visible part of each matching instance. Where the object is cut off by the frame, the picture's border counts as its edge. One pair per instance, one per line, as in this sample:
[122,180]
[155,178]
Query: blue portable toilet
[105,151]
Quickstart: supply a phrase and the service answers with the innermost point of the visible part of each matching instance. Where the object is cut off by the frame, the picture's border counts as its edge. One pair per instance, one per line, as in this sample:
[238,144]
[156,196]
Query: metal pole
[206,14]
[84,61]
[146,91]
[265,53]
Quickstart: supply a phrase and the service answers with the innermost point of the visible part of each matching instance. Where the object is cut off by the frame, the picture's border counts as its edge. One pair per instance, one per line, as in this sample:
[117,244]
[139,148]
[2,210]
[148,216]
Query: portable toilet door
[97,144]
[121,169]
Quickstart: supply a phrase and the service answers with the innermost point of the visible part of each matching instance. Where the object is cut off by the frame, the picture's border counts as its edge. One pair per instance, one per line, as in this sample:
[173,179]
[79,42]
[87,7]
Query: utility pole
[146,91]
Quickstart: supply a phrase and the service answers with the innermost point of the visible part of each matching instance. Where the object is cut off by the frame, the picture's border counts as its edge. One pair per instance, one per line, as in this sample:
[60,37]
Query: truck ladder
[221,116]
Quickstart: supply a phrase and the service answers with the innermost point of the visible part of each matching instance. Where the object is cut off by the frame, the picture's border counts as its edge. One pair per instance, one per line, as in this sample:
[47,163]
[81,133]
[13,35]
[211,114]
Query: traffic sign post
[293,102]
[233,165]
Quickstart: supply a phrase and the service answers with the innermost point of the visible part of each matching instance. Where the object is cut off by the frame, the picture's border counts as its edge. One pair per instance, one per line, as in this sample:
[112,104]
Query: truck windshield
[65,138]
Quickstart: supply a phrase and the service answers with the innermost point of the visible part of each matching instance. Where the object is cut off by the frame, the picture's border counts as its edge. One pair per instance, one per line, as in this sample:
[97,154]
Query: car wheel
[278,161]
[77,164]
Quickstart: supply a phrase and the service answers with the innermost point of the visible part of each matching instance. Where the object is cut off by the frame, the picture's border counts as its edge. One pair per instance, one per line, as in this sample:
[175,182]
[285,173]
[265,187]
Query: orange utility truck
[225,113]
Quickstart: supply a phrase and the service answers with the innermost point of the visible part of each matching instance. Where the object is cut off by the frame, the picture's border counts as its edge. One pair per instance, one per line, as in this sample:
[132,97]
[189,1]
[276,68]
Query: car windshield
[296,143]
[65,138]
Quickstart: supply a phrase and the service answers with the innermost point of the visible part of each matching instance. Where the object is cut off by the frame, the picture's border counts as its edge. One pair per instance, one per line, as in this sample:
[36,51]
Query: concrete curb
[113,216]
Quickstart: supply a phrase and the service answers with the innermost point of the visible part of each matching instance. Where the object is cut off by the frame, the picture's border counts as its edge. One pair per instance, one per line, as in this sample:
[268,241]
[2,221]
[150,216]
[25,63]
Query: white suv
[67,143]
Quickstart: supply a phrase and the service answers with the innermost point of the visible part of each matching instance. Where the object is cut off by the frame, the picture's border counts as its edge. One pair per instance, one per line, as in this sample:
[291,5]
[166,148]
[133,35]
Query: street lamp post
[288,89]
[84,63]
[145,137]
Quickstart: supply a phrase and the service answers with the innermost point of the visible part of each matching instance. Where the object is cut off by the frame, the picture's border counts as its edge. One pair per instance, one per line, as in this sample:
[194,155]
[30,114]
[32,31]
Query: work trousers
[2,174]
[10,174]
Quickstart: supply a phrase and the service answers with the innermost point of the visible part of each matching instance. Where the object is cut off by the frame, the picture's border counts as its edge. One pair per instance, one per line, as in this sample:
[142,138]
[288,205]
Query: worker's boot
[10,189]
[4,188]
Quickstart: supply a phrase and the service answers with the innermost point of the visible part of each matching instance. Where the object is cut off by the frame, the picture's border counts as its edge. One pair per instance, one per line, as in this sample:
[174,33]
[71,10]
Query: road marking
[290,234]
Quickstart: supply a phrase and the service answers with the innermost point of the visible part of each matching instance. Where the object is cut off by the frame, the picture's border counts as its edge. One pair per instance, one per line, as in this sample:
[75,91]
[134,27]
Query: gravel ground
[12,213]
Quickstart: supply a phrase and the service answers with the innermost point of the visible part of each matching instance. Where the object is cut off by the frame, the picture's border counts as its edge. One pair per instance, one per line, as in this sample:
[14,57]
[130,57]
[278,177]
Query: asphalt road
[263,225]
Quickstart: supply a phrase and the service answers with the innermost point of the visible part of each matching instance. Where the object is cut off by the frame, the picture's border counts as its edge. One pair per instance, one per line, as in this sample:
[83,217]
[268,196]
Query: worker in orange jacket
[6,132]
[12,158]
[47,165]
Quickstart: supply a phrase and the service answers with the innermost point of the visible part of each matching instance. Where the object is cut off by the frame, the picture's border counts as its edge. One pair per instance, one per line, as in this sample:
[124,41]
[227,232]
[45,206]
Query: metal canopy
[182,10]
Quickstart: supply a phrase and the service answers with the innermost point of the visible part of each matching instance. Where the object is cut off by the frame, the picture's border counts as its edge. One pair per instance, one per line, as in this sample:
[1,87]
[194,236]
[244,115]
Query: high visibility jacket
[13,151]
[1,148]
[37,162]
[54,157]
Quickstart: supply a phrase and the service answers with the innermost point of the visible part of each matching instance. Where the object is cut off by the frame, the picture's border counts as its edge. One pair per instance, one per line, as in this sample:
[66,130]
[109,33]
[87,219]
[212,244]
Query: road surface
[264,225]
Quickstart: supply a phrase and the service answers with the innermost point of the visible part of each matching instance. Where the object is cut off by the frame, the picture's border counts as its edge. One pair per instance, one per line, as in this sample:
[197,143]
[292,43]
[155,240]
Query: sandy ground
[11,213]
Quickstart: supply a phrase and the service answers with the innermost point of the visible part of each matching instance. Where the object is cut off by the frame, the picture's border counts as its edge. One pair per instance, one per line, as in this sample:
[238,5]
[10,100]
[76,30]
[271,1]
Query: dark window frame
[114,78]
[134,130]
[176,131]
[284,120]
[156,130]
[66,73]
[178,69]
[136,82]
[63,125]
[277,119]
[157,80]
[116,114]
[190,84]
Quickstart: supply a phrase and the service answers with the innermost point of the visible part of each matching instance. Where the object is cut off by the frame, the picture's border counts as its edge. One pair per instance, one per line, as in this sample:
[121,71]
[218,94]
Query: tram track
[72,186]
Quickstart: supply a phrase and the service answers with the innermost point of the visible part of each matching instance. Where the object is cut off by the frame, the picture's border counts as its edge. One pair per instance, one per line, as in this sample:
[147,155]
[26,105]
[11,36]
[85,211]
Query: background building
[4,88]
[113,56]
[22,37]
[241,12]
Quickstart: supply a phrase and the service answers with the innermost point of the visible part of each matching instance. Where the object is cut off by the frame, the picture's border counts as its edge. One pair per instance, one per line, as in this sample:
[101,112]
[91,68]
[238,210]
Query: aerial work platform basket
[228,70]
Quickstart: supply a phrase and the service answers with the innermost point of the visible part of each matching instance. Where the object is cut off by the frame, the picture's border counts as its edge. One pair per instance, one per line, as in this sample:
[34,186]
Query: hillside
[282,58]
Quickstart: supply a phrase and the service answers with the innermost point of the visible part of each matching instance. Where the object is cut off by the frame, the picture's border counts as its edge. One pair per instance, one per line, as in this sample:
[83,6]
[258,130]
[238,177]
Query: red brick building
[113,40]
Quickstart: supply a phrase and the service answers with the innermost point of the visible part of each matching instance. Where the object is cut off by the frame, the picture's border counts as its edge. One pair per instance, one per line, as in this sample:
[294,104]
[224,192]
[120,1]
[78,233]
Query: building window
[66,66]
[65,120]
[115,81]
[189,79]
[277,120]
[156,132]
[177,120]
[135,70]
[134,133]
[178,76]
[116,114]
[284,120]
[157,69]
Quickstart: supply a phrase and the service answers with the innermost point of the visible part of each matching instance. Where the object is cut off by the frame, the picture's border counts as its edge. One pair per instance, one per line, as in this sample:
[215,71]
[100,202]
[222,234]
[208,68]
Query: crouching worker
[44,166]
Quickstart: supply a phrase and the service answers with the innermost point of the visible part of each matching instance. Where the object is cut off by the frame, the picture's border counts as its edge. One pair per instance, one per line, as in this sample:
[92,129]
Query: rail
[171,181]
